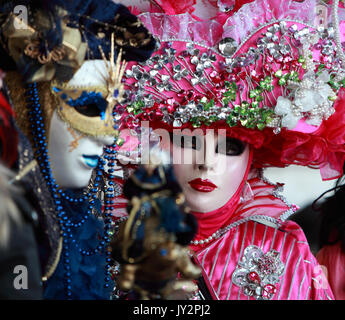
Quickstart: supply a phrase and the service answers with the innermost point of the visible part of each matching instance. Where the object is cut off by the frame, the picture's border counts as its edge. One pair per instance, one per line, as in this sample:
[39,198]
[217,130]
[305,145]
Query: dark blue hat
[58,35]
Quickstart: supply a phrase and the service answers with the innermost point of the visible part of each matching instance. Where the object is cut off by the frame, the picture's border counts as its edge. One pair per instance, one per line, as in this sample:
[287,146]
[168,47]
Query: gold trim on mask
[90,126]
[115,73]
[94,126]
[51,100]
[76,136]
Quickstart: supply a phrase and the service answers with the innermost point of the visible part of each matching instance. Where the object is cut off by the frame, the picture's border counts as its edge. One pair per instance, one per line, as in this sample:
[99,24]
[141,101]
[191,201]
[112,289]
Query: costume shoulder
[264,262]
[287,256]
[307,278]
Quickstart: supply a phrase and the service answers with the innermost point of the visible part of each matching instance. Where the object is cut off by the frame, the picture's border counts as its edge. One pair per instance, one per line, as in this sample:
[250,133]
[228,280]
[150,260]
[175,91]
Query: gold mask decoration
[89,108]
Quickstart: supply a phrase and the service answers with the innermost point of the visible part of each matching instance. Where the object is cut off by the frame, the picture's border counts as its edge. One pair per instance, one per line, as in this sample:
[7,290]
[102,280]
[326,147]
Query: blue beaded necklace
[68,225]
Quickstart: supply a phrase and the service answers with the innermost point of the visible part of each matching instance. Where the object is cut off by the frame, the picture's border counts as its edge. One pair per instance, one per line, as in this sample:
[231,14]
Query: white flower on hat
[310,98]
[284,109]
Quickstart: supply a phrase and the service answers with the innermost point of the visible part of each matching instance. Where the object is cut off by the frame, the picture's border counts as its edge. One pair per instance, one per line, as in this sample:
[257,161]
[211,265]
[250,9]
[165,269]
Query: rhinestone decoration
[291,72]
[257,273]
[225,5]
[227,46]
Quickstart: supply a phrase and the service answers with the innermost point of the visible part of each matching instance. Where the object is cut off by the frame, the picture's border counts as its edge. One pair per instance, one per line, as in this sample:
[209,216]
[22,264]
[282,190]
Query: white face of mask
[211,173]
[72,156]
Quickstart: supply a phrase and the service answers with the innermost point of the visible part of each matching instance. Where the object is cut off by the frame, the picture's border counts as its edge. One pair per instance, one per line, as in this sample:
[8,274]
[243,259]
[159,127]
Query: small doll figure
[151,245]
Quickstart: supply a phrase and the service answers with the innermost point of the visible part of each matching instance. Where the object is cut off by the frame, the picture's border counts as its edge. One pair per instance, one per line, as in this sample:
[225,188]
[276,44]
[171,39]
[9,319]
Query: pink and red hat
[271,75]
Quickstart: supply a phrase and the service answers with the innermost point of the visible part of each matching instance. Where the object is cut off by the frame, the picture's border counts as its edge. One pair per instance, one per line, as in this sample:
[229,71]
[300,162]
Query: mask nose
[105,140]
[209,156]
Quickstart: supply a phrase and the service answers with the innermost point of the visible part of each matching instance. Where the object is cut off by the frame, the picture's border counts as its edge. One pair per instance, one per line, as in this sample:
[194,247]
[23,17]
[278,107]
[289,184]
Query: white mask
[209,179]
[72,166]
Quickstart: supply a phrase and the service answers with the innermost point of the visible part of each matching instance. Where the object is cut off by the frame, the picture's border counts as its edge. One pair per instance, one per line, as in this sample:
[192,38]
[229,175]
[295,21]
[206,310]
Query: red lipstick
[202,185]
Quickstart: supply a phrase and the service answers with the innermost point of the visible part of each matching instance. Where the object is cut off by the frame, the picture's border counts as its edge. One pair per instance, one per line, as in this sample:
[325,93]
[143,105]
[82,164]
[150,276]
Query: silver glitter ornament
[227,46]
[225,6]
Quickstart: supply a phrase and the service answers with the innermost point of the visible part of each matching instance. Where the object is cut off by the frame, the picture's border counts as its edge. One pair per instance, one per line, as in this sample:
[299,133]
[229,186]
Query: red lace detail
[175,6]
[323,148]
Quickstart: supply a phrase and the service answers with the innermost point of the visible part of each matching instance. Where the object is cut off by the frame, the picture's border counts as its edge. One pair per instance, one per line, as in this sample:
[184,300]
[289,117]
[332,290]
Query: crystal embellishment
[227,46]
[258,272]
[288,74]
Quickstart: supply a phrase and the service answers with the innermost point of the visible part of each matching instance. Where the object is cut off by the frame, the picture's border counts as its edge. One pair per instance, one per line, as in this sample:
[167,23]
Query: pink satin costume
[247,249]
[237,262]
